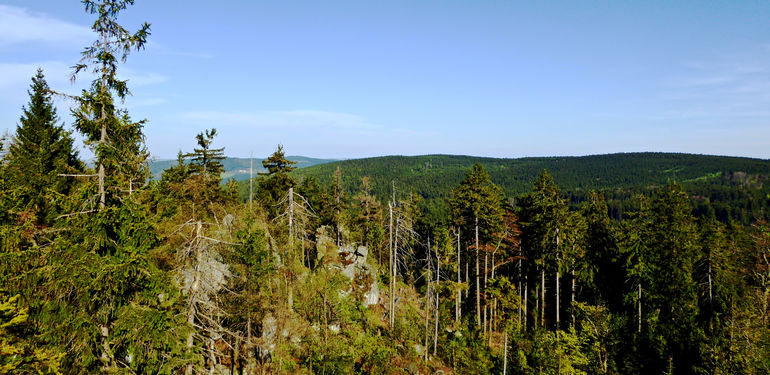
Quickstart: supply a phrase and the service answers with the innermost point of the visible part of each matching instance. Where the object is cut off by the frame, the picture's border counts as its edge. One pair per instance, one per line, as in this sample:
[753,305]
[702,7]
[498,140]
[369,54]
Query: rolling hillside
[435,175]
[734,187]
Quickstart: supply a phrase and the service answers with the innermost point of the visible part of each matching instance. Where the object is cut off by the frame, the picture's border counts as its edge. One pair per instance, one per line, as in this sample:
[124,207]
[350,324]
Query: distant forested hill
[238,168]
[731,187]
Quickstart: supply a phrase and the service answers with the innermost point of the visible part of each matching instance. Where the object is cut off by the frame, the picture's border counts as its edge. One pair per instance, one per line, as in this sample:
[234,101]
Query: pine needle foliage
[41,151]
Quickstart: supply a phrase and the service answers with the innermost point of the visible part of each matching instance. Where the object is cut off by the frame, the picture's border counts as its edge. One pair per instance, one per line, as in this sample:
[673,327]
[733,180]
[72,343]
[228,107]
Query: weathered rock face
[353,265]
[351,261]
[212,271]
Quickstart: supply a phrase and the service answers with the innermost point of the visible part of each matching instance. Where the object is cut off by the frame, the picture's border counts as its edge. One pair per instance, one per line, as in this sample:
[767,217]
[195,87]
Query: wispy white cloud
[19,25]
[296,119]
[723,88]
[145,102]
[307,132]
[15,78]
[139,79]
[156,47]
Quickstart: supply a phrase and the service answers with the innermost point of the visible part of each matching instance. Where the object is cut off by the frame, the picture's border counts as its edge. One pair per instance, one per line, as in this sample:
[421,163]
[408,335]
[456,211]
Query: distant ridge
[435,175]
[238,168]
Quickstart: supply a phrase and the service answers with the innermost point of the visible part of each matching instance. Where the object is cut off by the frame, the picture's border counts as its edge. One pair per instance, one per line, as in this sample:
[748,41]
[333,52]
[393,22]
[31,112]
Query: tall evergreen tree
[103,299]
[604,268]
[543,214]
[41,150]
[477,210]
[276,181]
[369,218]
[674,298]
[118,141]
[205,160]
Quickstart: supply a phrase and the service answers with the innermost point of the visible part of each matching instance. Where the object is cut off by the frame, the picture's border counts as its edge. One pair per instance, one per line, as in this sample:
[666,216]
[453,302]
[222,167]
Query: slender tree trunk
[493,308]
[505,353]
[478,277]
[107,358]
[212,357]
[249,345]
[639,297]
[427,308]
[251,179]
[337,193]
[436,312]
[194,287]
[558,260]
[572,296]
[710,288]
[290,200]
[542,297]
[467,279]
[289,284]
[459,297]
[103,133]
[234,365]
[390,251]
[520,294]
[525,301]
[536,317]
[557,299]
[486,304]
[393,275]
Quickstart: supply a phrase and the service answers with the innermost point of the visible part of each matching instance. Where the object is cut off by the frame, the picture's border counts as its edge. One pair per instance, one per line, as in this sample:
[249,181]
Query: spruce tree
[276,181]
[544,217]
[103,299]
[674,298]
[604,266]
[117,140]
[205,160]
[477,209]
[41,150]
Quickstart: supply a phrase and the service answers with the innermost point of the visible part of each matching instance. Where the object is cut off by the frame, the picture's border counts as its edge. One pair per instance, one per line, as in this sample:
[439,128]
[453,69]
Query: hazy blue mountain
[238,168]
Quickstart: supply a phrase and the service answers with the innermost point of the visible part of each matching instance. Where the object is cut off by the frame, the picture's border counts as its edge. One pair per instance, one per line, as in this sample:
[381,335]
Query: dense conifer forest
[725,188]
[374,266]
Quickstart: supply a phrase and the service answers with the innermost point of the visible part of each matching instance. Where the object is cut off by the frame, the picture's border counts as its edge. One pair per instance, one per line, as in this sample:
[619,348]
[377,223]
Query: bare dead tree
[296,213]
[202,276]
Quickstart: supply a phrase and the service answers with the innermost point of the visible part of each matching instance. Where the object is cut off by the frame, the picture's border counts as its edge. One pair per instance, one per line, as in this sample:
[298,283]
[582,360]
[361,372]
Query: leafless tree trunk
[639,299]
[428,303]
[251,179]
[436,311]
[505,353]
[107,358]
[709,276]
[572,297]
[194,289]
[390,243]
[457,301]
[393,277]
[212,357]
[519,292]
[103,120]
[235,367]
[249,345]
[558,259]
[291,217]
[526,300]
[486,304]
[542,296]
[478,277]
[467,279]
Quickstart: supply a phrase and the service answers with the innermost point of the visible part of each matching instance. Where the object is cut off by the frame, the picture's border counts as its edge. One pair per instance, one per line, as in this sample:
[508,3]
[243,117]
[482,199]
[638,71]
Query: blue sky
[347,79]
